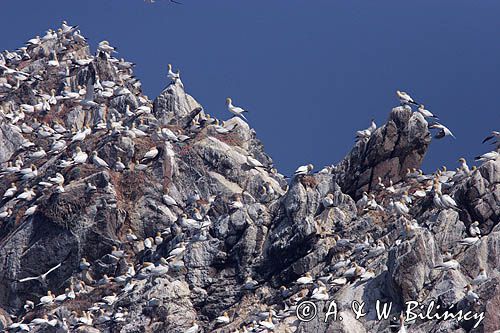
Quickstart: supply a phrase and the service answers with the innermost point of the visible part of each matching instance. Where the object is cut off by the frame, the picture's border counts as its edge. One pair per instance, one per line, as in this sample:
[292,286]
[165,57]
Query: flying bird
[41,278]
[443,131]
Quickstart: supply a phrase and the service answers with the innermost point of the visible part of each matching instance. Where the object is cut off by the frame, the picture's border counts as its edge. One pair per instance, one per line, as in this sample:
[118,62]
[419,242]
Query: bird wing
[488,138]
[52,269]
[29,278]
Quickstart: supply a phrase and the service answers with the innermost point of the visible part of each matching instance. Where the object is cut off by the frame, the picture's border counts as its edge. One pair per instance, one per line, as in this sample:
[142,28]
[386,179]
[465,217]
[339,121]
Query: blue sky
[310,72]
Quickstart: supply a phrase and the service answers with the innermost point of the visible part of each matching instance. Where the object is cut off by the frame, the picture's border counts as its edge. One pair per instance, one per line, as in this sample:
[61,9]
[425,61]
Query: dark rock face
[392,149]
[237,236]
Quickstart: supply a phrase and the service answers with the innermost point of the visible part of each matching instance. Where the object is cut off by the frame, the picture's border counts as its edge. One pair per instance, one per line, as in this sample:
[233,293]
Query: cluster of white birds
[37,120]
[406,99]
[46,136]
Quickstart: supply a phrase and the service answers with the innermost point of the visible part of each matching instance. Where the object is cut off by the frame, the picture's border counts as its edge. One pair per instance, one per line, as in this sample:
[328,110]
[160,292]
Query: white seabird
[223,320]
[494,135]
[237,111]
[450,264]
[41,278]
[254,163]
[79,157]
[474,229]
[443,131]
[480,278]
[99,162]
[365,134]
[303,169]
[150,154]
[11,191]
[468,241]
[30,211]
[306,279]
[171,75]
[404,98]
[119,166]
[425,113]
[491,156]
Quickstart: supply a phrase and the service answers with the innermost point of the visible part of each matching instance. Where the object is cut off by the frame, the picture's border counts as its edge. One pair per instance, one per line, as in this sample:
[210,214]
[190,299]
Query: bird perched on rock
[426,113]
[474,229]
[491,156]
[99,162]
[450,264]
[366,133]
[404,98]
[303,170]
[237,111]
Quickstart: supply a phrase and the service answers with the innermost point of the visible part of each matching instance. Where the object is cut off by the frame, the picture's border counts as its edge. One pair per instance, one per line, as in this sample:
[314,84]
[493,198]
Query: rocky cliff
[123,214]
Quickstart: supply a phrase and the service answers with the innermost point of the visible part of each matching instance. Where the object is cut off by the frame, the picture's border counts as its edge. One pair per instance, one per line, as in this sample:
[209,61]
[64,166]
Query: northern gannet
[303,170]
[79,157]
[494,135]
[6,213]
[130,236]
[306,279]
[150,154]
[171,75]
[250,284]
[105,47]
[268,323]
[119,166]
[27,195]
[468,241]
[369,274]
[84,264]
[491,156]
[223,320]
[29,173]
[327,201]
[193,329]
[443,131]
[237,111]
[474,229]
[88,100]
[169,201]
[179,249]
[404,98]
[401,207]
[480,278]
[38,153]
[158,239]
[254,163]
[463,166]
[354,272]
[99,162]
[366,133]
[110,299]
[79,136]
[11,191]
[58,179]
[41,278]
[447,201]
[470,295]
[46,300]
[67,28]
[425,113]
[450,264]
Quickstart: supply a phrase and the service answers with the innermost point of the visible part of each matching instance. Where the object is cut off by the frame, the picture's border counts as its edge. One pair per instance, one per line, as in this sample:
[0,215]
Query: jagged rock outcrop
[187,219]
[391,150]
